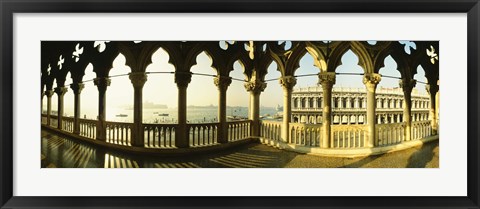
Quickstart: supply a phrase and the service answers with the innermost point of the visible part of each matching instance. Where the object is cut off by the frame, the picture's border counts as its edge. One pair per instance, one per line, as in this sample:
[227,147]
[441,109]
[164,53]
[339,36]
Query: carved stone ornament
[371,80]
[326,79]
[288,82]
[255,86]
[407,85]
[138,79]
[222,82]
[77,87]
[182,79]
[61,91]
[102,83]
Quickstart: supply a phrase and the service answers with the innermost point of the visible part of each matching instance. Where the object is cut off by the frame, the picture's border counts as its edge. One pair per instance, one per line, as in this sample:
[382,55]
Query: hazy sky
[161,88]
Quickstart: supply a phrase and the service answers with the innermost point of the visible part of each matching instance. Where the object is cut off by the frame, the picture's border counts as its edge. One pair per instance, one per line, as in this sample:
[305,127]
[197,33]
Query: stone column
[222,83]
[287,82]
[60,91]
[371,80]
[77,90]
[49,94]
[182,79]
[255,88]
[407,86]
[102,84]
[327,80]
[432,91]
[138,79]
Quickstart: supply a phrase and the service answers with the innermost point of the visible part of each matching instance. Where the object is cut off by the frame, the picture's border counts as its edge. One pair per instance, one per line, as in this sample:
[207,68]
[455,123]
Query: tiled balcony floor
[59,152]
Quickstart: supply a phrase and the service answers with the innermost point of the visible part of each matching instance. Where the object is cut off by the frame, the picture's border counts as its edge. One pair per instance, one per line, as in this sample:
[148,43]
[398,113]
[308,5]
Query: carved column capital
[288,82]
[407,85]
[326,79]
[371,81]
[60,91]
[77,87]
[49,93]
[182,79]
[255,86]
[138,79]
[102,83]
[222,82]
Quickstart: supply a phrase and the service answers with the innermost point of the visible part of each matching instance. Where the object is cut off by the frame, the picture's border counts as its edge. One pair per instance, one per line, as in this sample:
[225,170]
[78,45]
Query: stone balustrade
[67,124]
[88,128]
[349,136]
[305,134]
[389,134]
[162,136]
[119,133]
[239,129]
[271,131]
[159,135]
[203,134]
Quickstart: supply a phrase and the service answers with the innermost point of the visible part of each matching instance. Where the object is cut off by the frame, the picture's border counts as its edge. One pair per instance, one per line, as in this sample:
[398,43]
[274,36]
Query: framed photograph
[264,104]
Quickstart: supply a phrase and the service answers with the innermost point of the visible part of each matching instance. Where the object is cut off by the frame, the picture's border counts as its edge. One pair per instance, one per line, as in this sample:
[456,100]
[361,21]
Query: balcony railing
[239,129]
[271,130]
[119,133]
[88,128]
[159,135]
[67,124]
[203,134]
[163,136]
[348,136]
[421,129]
[389,134]
[305,134]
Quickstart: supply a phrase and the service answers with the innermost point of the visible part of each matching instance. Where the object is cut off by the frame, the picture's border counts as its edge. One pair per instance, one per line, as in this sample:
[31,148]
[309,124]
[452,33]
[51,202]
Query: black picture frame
[10,7]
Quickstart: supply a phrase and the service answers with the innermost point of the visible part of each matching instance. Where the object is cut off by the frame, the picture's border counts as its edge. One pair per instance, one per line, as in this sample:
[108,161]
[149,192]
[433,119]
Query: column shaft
[327,80]
[222,83]
[60,93]
[77,89]
[287,82]
[181,133]
[49,94]
[407,86]
[138,79]
[255,87]
[102,84]
[371,80]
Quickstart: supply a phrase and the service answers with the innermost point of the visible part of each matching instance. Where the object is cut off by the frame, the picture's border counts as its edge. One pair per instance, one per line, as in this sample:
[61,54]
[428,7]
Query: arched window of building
[310,102]
[303,103]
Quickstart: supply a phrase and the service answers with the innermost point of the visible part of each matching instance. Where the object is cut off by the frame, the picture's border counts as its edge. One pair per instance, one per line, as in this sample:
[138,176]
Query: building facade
[349,105]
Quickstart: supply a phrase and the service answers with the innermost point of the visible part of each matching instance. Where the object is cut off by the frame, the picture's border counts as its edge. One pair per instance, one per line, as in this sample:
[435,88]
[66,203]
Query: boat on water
[121,115]
[163,114]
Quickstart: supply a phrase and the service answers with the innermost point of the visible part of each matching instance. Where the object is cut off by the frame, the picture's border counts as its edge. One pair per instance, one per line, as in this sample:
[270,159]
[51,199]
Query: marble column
[182,79]
[432,91]
[77,90]
[138,80]
[102,84]
[222,83]
[327,80]
[255,88]
[60,91]
[371,80]
[287,83]
[407,86]
[49,94]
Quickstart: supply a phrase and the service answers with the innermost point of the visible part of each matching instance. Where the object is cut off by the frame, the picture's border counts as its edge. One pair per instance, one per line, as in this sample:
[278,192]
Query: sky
[161,88]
